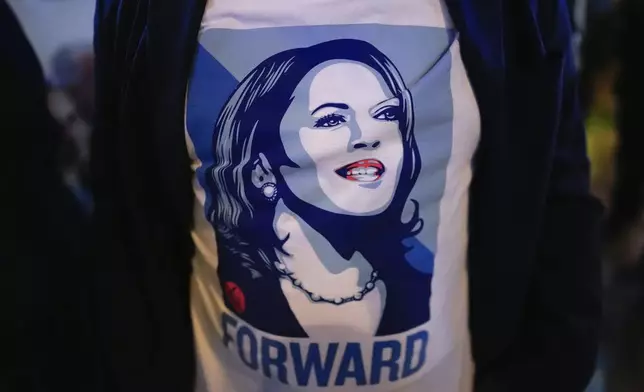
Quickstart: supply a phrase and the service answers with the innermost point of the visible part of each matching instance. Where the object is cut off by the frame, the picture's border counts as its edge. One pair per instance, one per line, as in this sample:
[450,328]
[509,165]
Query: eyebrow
[385,102]
[331,105]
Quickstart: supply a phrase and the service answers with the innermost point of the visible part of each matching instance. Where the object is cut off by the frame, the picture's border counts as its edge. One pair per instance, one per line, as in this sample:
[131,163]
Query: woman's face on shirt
[342,131]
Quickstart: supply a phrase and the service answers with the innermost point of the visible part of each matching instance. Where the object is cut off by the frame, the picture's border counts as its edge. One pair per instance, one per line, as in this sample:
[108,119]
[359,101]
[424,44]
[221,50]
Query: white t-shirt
[332,145]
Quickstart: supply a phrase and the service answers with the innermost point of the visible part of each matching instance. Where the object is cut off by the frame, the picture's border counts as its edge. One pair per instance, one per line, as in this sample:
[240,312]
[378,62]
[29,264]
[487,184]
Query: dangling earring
[269,191]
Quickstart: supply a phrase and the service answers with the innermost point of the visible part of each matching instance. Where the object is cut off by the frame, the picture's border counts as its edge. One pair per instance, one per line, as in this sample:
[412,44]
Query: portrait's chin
[365,203]
[340,196]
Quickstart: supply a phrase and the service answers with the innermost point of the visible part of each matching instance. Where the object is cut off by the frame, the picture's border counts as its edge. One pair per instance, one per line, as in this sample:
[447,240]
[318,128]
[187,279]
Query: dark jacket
[534,268]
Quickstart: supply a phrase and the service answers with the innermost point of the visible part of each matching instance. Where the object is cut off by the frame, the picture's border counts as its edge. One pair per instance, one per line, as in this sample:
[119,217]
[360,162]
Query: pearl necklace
[290,276]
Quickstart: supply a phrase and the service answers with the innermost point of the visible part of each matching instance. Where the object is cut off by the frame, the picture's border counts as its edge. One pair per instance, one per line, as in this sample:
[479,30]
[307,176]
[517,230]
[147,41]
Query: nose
[366,144]
[364,135]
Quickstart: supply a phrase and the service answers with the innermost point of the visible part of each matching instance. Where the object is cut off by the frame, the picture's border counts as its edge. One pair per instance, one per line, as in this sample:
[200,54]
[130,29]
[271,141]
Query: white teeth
[364,174]
[360,171]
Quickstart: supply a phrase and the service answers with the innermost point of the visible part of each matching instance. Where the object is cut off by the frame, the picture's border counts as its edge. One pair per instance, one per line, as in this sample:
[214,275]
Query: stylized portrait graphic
[314,162]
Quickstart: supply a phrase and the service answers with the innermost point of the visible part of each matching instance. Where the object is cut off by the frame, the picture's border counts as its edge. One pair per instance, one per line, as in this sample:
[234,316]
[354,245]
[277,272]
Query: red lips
[365,170]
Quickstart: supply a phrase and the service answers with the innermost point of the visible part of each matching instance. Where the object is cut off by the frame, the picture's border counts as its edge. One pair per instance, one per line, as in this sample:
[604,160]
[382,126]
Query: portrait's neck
[318,218]
[314,266]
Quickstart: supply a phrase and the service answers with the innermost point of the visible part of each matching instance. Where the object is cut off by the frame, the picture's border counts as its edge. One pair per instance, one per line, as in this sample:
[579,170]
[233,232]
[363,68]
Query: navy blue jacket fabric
[533,259]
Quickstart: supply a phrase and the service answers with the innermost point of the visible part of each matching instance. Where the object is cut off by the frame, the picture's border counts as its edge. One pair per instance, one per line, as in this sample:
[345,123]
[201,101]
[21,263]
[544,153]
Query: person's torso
[332,147]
